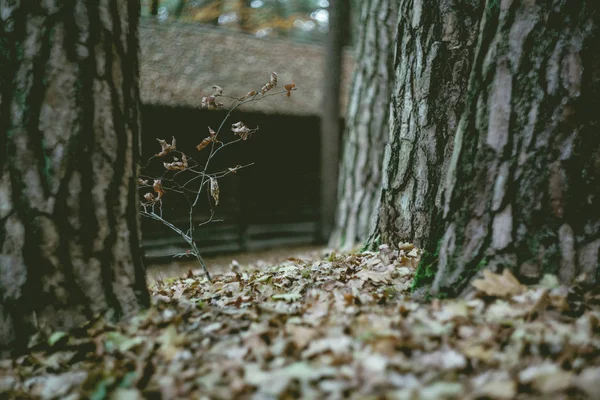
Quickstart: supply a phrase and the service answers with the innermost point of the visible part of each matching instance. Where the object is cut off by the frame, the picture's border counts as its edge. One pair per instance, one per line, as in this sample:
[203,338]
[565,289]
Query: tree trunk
[523,184]
[244,9]
[366,123]
[179,9]
[69,146]
[436,43]
[330,117]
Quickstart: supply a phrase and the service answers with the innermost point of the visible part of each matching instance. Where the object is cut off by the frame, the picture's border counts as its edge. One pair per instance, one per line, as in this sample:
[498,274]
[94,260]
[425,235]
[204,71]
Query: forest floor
[341,326]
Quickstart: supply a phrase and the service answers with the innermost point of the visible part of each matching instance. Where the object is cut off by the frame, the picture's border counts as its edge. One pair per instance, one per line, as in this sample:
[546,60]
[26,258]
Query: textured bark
[523,184]
[366,123]
[330,116]
[69,144]
[435,46]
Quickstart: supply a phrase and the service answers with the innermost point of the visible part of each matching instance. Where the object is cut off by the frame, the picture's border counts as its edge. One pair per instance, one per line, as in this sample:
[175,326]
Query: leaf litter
[344,326]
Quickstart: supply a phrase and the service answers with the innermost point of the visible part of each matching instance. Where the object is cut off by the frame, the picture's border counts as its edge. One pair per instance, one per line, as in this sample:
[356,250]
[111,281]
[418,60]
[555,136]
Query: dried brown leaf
[249,94]
[150,197]
[214,190]
[289,87]
[301,336]
[499,285]
[240,129]
[375,277]
[158,188]
[174,166]
[208,140]
[210,102]
[269,85]
[547,377]
[498,389]
[166,147]
[218,90]
[204,143]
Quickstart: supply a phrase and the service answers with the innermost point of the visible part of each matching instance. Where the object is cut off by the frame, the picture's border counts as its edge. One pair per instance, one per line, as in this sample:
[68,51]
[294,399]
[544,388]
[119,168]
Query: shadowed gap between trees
[271,203]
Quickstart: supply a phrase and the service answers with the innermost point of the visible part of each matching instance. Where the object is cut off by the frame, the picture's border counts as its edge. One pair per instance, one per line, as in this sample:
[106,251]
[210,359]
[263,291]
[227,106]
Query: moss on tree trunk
[520,186]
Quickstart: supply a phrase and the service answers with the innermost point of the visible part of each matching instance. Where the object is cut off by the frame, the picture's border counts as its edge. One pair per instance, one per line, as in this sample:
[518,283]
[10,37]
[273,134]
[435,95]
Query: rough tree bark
[366,123]
[523,184]
[69,144]
[330,117]
[435,46]
[503,172]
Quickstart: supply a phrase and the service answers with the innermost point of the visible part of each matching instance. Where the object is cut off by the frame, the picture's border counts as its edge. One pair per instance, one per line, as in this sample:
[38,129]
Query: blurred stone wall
[181,62]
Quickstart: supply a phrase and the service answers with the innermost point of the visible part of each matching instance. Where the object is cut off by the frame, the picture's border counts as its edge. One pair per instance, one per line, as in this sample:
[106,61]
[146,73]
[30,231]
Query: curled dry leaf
[204,143]
[269,85]
[210,102]
[218,90]
[505,285]
[177,165]
[214,190]
[208,140]
[150,197]
[249,94]
[289,87]
[239,128]
[166,147]
[266,88]
[158,188]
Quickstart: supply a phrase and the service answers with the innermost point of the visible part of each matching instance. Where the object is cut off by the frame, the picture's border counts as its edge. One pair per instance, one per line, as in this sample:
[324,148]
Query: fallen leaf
[547,377]
[498,389]
[588,381]
[287,296]
[301,336]
[57,337]
[504,285]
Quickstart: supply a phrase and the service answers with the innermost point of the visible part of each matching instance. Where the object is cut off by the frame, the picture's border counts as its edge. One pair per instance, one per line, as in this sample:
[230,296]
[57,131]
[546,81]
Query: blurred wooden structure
[274,202]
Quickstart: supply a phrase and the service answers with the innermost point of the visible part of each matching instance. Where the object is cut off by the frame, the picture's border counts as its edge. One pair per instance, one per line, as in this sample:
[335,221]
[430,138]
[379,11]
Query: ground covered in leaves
[343,326]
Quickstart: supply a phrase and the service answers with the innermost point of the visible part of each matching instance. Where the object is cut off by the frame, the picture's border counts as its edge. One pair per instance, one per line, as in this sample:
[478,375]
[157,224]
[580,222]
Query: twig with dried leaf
[181,171]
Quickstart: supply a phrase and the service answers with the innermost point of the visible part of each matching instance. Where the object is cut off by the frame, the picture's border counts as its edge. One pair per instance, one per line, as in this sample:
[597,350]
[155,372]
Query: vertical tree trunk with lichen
[330,118]
[522,189]
[69,144]
[366,123]
[435,47]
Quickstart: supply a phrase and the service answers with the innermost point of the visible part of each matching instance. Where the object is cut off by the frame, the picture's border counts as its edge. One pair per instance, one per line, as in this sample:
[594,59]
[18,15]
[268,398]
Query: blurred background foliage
[301,20]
